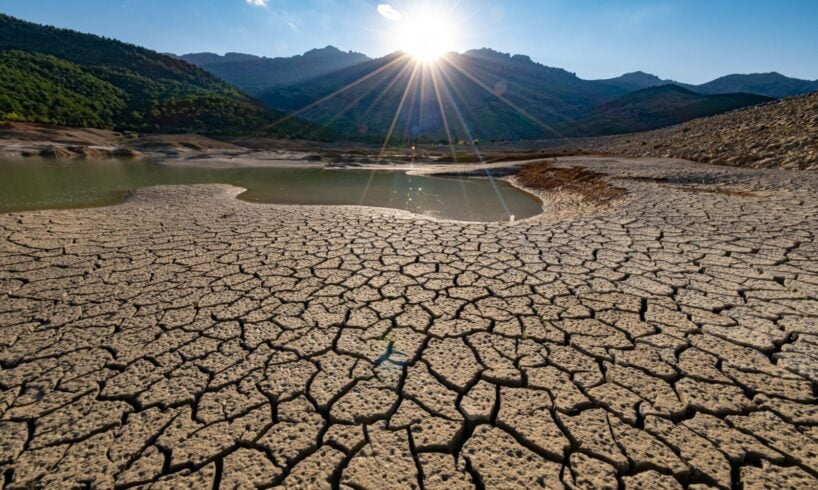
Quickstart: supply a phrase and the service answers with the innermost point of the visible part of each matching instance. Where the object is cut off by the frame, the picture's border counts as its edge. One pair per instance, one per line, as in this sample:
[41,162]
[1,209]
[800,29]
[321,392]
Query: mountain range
[63,77]
[253,74]
[479,94]
[659,106]
[484,94]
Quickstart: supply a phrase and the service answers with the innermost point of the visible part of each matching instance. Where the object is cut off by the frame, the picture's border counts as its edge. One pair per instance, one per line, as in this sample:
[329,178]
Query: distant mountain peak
[773,84]
[331,50]
[207,58]
[488,54]
[665,88]
[641,75]
[254,74]
[235,55]
[638,80]
[493,54]
[522,58]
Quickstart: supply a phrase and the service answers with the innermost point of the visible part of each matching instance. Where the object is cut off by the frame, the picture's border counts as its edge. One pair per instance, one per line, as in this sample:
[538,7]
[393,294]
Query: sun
[426,35]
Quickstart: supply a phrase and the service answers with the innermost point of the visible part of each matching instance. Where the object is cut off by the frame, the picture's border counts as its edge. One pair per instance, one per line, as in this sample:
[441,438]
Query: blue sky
[687,40]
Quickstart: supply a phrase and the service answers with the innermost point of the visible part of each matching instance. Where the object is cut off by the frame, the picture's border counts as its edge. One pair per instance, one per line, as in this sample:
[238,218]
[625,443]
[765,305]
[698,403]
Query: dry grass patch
[592,186]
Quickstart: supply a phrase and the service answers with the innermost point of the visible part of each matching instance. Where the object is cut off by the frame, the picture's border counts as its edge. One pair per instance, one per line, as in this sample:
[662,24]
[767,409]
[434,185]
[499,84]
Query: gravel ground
[186,339]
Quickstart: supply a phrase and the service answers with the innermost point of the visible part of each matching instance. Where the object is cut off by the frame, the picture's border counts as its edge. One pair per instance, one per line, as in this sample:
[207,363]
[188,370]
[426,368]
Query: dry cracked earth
[186,339]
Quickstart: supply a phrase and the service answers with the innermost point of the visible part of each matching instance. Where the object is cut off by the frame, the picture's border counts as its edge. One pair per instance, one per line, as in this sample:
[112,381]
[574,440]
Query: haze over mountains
[253,73]
[59,76]
[484,94]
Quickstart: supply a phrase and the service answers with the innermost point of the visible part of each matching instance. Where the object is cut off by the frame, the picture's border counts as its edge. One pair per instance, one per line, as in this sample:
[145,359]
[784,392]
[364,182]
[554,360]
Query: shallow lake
[34,183]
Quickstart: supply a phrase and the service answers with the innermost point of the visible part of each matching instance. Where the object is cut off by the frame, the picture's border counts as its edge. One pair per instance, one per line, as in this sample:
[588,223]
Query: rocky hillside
[658,107]
[782,134]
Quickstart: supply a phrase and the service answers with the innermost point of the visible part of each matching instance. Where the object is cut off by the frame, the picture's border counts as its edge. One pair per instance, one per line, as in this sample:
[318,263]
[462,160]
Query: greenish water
[33,183]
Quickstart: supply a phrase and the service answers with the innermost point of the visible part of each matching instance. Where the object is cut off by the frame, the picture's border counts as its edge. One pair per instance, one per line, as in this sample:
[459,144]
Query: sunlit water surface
[34,183]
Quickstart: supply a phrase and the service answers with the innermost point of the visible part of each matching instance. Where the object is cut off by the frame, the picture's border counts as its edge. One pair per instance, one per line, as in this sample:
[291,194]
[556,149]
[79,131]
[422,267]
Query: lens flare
[426,36]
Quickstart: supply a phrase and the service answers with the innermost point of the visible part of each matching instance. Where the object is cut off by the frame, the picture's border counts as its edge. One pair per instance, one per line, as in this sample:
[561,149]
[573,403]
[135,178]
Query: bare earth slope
[781,134]
[186,339]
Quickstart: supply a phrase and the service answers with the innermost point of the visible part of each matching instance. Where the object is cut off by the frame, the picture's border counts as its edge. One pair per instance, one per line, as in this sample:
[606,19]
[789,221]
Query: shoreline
[190,150]
[555,204]
[426,170]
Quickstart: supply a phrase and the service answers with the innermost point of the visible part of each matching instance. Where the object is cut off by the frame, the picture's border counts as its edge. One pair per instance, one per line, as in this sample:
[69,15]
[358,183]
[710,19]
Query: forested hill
[58,76]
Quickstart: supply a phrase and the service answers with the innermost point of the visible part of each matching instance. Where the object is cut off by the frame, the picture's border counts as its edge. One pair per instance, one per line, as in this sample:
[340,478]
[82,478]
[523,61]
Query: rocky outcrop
[126,153]
[55,152]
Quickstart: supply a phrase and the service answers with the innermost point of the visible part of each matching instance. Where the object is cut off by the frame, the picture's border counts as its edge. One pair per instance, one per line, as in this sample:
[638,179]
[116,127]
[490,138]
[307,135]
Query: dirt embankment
[81,151]
[27,139]
[592,186]
[20,131]
[781,134]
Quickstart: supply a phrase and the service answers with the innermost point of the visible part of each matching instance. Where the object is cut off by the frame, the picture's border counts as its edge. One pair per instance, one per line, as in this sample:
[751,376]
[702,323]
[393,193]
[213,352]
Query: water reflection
[44,184]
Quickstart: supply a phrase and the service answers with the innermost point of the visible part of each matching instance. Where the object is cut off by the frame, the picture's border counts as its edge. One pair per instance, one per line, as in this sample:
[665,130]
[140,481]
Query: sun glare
[426,35]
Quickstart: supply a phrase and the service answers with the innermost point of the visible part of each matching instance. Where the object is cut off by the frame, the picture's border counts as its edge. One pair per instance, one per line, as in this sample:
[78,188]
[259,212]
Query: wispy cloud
[258,3]
[293,26]
[387,11]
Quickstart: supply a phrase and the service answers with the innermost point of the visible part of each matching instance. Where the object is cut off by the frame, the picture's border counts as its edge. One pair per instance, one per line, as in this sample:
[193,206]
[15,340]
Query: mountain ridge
[639,80]
[486,95]
[483,95]
[494,96]
[65,77]
[659,106]
[771,84]
[254,74]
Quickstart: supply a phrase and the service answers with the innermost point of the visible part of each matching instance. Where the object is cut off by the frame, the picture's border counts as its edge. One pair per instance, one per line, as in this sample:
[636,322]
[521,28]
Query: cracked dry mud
[186,339]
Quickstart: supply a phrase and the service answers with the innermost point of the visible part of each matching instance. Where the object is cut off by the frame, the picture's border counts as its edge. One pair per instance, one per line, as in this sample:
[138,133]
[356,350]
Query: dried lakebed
[35,183]
[186,339]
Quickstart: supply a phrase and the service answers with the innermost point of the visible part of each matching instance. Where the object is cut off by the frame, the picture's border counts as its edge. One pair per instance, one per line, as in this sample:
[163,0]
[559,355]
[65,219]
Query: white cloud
[293,26]
[258,3]
[387,11]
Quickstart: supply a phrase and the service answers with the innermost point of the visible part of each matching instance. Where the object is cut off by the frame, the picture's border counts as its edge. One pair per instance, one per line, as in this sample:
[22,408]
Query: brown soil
[495,157]
[67,152]
[194,142]
[58,134]
[592,186]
